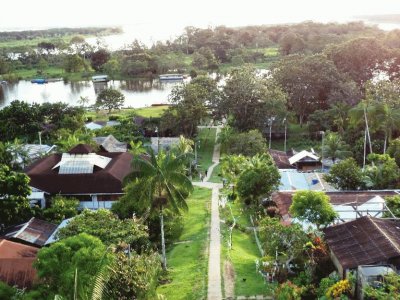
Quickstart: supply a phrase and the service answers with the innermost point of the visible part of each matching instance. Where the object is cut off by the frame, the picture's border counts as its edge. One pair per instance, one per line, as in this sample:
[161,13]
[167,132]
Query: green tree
[393,203]
[249,99]
[312,83]
[231,167]
[382,173]
[313,207]
[246,143]
[61,208]
[286,241]
[82,255]
[345,175]
[184,146]
[14,204]
[110,99]
[394,150]
[259,179]
[359,58]
[163,184]
[112,67]
[73,63]
[106,226]
[291,43]
[390,289]
[334,147]
[136,148]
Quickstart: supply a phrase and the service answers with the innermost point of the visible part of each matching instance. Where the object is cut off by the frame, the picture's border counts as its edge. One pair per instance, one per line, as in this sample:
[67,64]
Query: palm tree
[164,184]
[334,147]
[185,145]
[390,120]
[136,148]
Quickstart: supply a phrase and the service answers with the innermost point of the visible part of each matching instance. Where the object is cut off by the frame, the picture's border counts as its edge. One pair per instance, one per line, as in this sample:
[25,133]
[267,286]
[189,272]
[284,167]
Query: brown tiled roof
[81,149]
[281,159]
[101,181]
[283,200]
[34,232]
[16,264]
[366,240]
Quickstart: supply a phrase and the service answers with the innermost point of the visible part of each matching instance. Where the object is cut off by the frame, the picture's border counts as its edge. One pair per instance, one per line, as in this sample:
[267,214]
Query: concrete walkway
[214,260]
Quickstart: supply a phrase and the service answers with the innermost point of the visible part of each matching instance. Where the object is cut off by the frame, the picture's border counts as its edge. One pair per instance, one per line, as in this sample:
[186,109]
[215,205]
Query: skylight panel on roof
[81,163]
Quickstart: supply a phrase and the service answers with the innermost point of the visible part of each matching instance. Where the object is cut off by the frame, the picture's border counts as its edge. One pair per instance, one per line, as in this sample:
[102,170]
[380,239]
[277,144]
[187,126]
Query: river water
[138,93]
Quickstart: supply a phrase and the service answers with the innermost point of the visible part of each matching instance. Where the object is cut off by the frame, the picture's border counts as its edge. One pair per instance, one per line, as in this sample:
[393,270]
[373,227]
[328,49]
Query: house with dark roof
[302,161]
[95,179]
[16,264]
[34,233]
[349,205]
[364,241]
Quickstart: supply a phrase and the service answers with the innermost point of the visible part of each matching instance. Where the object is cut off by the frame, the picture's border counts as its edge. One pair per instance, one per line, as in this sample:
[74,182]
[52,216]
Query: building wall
[96,203]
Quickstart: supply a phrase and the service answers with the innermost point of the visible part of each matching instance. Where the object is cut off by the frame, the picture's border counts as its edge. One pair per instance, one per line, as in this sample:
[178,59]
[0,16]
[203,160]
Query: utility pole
[284,121]
[322,149]
[270,120]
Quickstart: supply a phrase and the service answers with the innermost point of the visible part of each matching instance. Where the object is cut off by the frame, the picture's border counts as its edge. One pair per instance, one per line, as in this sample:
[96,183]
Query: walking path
[214,260]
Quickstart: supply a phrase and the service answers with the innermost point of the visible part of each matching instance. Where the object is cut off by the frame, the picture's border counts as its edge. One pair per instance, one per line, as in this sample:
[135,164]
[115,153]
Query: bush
[288,291]
[113,118]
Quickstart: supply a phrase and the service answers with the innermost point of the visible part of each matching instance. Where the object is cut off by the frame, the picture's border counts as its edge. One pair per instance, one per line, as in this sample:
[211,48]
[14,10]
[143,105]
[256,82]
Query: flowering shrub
[340,288]
[288,291]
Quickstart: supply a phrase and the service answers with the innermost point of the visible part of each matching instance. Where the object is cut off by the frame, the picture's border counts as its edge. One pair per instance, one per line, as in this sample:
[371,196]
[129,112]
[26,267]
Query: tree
[312,82]
[313,207]
[99,58]
[112,67]
[286,241]
[61,208]
[259,178]
[345,175]
[14,204]
[360,58]
[73,63]
[190,104]
[81,257]
[184,146]
[231,167]
[394,150]
[163,184]
[249,99]
[382,173]
[106,226]
[291,43]
[246,143]
[390,288]
[334,147]
[110,99]
[393,203]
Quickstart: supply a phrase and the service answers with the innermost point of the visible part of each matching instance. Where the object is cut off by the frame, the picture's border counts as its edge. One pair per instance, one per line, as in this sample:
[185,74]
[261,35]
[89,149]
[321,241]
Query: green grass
[214,176]
[243,254]
[51,72]
[297,138]
[147,112]
[205,152]
[188,262]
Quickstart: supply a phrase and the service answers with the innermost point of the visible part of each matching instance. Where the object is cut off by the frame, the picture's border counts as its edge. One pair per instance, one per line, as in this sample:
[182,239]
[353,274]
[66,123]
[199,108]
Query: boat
[39,80]
[54,79]
[171,77]
[100,78]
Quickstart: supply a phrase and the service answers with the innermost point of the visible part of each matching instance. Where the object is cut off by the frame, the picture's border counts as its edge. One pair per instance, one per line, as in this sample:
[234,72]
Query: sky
[23,14]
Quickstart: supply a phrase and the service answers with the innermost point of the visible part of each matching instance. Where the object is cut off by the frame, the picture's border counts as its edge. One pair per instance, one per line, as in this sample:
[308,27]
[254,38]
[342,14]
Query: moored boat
[100,78]
[39,80]
[171,77]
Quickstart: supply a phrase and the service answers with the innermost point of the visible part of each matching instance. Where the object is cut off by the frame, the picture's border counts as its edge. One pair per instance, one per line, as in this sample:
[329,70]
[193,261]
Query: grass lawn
[206,149]
[214,176]
[188,262]
[243,254]
[152,111]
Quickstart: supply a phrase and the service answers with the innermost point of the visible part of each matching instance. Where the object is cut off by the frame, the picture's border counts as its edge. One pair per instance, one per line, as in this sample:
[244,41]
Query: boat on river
[171,77]
[39,80]
[100,78]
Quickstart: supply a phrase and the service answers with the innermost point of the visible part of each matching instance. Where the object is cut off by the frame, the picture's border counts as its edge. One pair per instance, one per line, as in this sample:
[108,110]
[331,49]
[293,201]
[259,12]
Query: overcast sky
[75,13]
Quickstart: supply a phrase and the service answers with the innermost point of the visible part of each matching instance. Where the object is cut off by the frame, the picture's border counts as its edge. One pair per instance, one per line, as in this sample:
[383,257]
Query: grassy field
[243,254]
[206,149]
[188,261]
[147,112]
[214,176]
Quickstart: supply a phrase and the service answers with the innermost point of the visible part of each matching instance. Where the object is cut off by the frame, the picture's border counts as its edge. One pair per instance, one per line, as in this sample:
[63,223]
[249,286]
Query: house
[364,241]
[16,264]
[34,233]
[349,205]
[95,179]
[305,161]
[302,161]
[110,144]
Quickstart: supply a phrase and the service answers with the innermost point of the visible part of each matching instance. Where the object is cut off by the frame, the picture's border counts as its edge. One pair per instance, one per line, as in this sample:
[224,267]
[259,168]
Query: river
[138,93]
